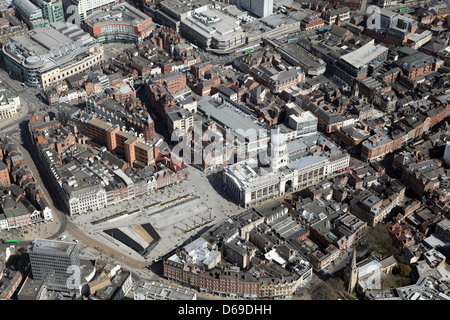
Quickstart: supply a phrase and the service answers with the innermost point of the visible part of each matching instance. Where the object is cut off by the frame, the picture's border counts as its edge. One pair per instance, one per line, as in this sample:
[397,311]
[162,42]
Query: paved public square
[175,222]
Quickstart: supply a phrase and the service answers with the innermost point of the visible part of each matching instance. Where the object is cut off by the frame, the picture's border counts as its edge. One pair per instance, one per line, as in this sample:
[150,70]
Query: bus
[10,241]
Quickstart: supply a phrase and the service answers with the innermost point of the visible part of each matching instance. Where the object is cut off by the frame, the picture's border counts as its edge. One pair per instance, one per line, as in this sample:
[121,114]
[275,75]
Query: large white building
[85,7]
[9,103]
[212,29]
[315,159]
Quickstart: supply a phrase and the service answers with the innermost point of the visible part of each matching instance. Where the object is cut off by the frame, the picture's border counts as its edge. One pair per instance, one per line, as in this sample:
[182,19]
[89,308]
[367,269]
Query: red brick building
[133,149]
[133,24]
[4,175]
[419,64]
[11,283]
[174,81]
[311,22]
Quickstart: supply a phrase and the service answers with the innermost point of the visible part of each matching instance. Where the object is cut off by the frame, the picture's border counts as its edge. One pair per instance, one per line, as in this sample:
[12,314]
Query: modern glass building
[39,13]
[31,14]
[46,56]
[57,264]
[52,10]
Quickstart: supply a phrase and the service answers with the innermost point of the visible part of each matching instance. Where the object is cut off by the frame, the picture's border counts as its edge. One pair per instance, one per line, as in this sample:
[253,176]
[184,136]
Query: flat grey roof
[306,162]
[46,246]
[364,55]
[226,28]
[118,14]
[228,116]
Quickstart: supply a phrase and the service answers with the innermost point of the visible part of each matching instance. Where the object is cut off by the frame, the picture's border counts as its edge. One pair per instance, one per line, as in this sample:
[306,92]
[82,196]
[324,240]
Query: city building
[252,185]
[277,80]
[213,30]
[52,10]
[180,119]
[9,103]
[80,9]
[311,22]
[372,206]
[158,291]
[54,263]
[338,15]
[39,13]
[275,25]
[298,56]
[417,65]
[196,265]
[119,286]
[259,8]
[249,135]
[15,27]
[383,142]
[355,65]
[121,22]
[172,12]
[301,121]
[135,150]
[48,55]
[31,14]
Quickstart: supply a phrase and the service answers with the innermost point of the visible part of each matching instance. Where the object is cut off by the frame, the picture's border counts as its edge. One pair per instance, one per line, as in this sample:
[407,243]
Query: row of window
[69,73]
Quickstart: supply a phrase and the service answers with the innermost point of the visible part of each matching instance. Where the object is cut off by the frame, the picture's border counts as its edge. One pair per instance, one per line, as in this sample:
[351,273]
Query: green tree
[405,270]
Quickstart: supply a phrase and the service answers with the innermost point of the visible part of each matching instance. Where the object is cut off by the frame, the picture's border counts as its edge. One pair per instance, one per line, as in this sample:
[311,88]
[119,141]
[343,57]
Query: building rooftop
[227,116]
[49,47]
[159,291]
[212,23]
[52,247]
[118,14]
[364,55]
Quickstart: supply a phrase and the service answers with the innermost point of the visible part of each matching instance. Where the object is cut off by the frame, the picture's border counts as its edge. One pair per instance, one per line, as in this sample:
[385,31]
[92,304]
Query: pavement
[175,222]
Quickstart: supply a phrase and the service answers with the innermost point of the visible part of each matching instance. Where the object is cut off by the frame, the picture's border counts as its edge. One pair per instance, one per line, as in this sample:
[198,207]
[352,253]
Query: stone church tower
[351,274]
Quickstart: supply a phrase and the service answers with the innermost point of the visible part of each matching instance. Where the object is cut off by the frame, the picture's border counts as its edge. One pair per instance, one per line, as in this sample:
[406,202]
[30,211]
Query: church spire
[353,265]
[351,273]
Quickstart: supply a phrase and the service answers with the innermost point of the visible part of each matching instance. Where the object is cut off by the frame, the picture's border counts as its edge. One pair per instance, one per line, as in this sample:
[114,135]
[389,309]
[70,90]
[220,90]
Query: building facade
[48,55]
[54,263]
[121,22]
[9,104]
[85,7]
[259,8]
[253,186]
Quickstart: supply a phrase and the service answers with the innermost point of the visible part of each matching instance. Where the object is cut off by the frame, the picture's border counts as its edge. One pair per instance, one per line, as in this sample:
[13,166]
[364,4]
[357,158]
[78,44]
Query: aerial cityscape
[223,150]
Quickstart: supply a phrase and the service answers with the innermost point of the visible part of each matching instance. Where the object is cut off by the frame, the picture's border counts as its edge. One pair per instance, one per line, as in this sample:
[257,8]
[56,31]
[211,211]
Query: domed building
[9,104]
[287,167]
